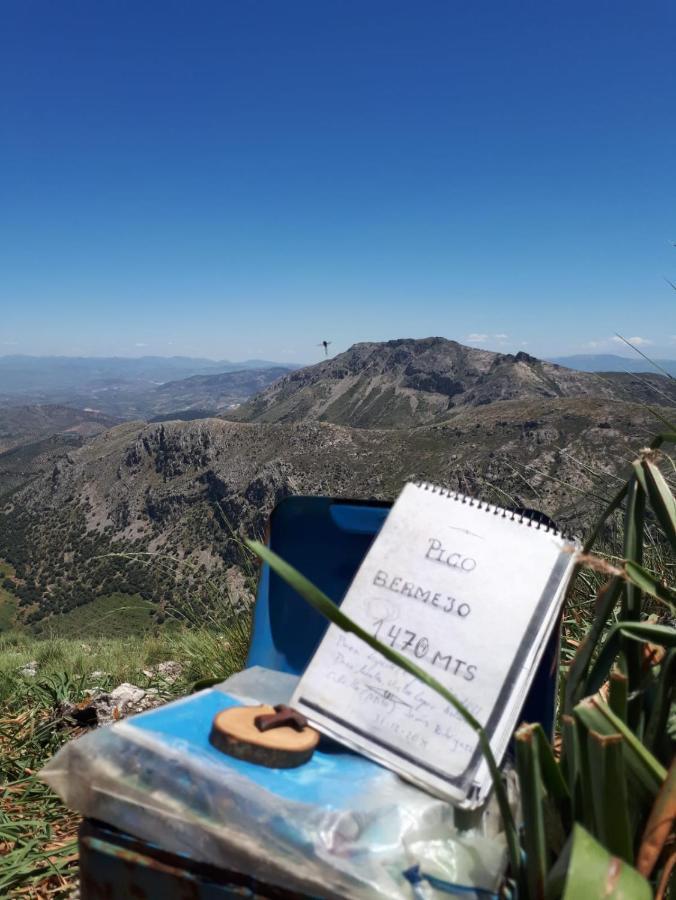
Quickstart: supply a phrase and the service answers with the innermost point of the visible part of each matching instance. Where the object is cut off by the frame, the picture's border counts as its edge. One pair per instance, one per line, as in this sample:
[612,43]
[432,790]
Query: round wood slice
[234,731]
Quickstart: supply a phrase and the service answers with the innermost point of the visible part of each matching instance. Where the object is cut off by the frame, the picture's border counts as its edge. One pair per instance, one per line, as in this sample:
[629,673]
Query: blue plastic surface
[326,540]
[331,778]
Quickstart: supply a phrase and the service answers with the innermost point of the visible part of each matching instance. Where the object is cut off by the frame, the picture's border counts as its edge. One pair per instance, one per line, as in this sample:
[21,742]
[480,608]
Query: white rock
[29,669]
[126,694]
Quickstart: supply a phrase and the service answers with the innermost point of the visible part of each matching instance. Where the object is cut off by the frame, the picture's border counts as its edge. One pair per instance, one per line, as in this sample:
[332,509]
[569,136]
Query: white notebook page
[468,594]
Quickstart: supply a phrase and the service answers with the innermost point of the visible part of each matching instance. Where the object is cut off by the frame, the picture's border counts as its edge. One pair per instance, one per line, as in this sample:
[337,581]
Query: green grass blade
[633,552]
[607,598]
[624,632]
[668,437]
[640,475]
[646,582]
[26,865]
[661,499]
[597,716]
[319,601]
[532,800]
[656,738]
[618,694]
[609,791]
[587,814]
[593,872]
[557,812]
[570,763]
[552,776]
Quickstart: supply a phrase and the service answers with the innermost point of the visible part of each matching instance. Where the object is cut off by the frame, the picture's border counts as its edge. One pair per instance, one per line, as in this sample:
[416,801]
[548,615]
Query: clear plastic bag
[339,826]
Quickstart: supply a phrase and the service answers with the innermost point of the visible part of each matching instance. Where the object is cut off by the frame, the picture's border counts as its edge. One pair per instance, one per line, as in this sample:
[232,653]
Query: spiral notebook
[468,591]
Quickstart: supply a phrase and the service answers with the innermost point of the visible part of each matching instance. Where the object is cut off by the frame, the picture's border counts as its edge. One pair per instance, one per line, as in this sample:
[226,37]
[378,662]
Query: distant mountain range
[21,374]
[512,428]
[609,362]
[208,392]
[397,383]
[132,387]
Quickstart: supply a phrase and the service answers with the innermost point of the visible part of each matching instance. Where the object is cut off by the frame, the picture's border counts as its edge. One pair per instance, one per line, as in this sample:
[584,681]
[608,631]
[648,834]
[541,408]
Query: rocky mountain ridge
[404,383]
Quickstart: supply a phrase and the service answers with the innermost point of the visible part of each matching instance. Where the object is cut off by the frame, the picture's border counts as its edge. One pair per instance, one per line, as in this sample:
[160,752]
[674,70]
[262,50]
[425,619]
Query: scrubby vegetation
[49,579]
[94,648]
[38,853]
[37,835]
[111,616]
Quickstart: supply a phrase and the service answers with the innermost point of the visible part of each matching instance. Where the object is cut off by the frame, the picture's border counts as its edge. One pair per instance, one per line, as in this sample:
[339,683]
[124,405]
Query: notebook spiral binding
[520,517]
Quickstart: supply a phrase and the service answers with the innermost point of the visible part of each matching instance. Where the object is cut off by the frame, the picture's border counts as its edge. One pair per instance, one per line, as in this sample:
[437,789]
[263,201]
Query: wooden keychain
[274,736]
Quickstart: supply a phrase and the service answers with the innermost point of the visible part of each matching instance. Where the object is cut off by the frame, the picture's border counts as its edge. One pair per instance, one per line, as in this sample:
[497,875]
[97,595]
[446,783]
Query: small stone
[29,669]
[127,694]
[170,671]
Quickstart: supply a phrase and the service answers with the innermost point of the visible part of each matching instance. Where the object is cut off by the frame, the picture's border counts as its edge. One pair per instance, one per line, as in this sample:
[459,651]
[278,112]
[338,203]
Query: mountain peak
[409,382]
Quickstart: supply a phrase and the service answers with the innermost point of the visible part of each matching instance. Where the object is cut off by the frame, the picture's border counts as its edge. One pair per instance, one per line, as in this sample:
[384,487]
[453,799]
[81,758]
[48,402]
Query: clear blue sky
[237,179]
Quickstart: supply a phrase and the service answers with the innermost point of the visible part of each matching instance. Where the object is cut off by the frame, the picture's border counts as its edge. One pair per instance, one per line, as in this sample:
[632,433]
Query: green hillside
[8,601]
[111,616]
